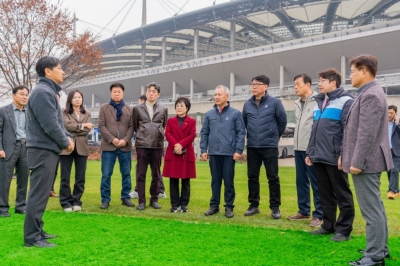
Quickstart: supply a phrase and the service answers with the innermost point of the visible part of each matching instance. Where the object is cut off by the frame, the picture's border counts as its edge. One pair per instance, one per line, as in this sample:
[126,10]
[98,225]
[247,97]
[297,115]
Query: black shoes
[251,211]
[367,262]
[20,211]
[4,214]
[338,237]
[40,244]
[127,203]
[276,214]
[211,211]
[321,231]
[184,209]
[175,209]
[385,253]
[141,207]
[155,205]
[228,212]
[48,236]
[104,205]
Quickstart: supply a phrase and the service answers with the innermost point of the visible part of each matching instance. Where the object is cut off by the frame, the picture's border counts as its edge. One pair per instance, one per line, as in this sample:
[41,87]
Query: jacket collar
[266,95]
[309,98]
[50,83]
[339,92]
[225,108]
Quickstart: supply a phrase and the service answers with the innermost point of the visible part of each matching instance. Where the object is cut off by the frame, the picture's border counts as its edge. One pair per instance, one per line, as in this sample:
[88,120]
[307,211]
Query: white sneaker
[133,195]
[162,196]
[68,209]
[77,208]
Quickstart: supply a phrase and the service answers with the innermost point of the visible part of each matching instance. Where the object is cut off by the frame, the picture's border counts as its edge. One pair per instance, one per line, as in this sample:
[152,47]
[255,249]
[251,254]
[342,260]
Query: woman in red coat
[179,161]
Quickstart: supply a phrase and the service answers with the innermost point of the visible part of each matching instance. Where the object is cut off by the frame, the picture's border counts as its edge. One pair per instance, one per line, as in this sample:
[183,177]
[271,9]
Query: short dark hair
[184,100]
[143,98]
[117,85]
[331,74]
[261,78]
[68,106]
[306,78]
[155,85]
[393,107]
[365,61]
[18,88]
[46,62]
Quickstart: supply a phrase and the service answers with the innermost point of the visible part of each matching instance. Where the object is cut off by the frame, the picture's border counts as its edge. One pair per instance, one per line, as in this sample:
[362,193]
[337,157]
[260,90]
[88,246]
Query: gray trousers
[17,160]
[42,164]
[367,187]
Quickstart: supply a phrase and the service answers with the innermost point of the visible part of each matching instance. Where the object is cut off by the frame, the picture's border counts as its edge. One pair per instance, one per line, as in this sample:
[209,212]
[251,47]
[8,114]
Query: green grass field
[125,236]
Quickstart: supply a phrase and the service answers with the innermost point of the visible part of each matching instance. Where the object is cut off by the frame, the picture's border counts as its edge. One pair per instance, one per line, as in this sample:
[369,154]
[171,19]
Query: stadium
[229,43]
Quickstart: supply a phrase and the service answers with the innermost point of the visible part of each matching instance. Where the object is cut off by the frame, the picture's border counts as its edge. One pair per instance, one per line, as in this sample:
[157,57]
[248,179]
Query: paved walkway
[286,162]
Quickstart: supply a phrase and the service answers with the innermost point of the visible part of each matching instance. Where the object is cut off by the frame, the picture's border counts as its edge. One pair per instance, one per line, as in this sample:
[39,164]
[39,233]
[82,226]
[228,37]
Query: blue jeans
[393,174]
[304,177]
[107,166]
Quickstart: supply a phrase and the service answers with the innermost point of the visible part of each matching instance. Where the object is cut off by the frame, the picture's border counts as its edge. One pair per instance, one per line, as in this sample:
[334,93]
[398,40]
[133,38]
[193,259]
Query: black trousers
[66,198]
[55,176]
[19,161]
[42,164]
[334,191]
[268,156]
[145,157]
[162,187]
[184,197]
[222,168]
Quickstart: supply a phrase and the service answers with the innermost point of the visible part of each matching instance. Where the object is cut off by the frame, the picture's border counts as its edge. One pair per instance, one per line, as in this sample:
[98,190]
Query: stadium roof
[257,23]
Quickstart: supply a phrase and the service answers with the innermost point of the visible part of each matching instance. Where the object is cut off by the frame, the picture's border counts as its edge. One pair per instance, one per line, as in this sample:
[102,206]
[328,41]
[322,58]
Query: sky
[109,15]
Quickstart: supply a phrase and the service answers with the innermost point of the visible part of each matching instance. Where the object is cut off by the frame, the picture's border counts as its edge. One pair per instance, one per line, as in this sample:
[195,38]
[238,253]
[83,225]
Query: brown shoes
[391,195]
[53,194]
[315,222]
[298,217]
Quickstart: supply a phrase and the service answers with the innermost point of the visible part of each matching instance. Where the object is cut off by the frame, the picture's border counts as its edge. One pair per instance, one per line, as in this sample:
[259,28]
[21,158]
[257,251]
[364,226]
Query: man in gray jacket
[45,138]
[366,154]
[222,141]
[13,151]
[305,176]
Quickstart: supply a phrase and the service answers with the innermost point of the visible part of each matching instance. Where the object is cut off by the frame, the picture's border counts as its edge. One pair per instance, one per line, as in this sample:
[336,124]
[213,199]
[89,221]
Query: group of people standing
[335,134]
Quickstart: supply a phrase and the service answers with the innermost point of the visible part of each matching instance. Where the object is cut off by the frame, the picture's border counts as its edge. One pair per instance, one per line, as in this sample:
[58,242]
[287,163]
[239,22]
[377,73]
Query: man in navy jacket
[394,141]
[222,141]
[330,113]
[265,120]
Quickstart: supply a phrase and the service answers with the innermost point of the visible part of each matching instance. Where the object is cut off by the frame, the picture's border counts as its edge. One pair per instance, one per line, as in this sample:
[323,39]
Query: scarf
[119,107]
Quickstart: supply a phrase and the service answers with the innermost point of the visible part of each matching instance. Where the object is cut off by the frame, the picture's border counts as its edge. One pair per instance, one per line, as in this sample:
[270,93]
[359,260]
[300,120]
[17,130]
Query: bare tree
[30,29]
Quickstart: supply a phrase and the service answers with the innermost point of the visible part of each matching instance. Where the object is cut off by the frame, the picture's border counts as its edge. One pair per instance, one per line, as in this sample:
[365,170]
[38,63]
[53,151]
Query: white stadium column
[173,90]
[196,44]
[281,78]
[164,50]
[143,55]
[343,69]
[233,33]
[142,90]
[191,89]
[92,100]
[232,83]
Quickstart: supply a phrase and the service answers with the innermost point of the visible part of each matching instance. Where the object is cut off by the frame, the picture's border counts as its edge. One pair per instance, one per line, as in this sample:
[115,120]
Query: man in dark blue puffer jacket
[265,120]
[222,140]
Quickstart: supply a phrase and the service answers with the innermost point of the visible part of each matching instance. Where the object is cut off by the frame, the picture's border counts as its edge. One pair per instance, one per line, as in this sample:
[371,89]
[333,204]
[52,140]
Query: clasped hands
[178,148]
[119,143]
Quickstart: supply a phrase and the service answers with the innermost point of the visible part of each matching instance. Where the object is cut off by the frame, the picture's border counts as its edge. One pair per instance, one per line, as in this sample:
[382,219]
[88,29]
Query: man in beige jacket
[116,127]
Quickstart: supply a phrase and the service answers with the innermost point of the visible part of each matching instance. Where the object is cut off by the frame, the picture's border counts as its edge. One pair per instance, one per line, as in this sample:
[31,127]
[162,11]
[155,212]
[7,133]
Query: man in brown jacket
[116,127]
[366,154]
[149,121]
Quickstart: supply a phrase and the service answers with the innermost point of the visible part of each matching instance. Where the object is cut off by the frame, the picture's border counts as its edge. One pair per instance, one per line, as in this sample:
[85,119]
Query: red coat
[180,166]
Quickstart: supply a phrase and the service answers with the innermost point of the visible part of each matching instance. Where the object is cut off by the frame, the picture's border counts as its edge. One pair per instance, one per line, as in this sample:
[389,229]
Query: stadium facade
[230,43]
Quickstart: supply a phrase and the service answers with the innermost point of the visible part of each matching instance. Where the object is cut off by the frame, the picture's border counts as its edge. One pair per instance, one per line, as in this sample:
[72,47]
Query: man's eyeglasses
[257,84]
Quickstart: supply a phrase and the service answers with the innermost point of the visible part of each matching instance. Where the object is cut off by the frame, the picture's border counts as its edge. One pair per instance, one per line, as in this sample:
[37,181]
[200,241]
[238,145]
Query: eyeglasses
[23,94]
[257,84]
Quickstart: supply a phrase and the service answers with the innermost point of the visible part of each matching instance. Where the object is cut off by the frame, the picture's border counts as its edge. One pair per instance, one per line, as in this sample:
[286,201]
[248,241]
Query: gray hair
[223,87]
